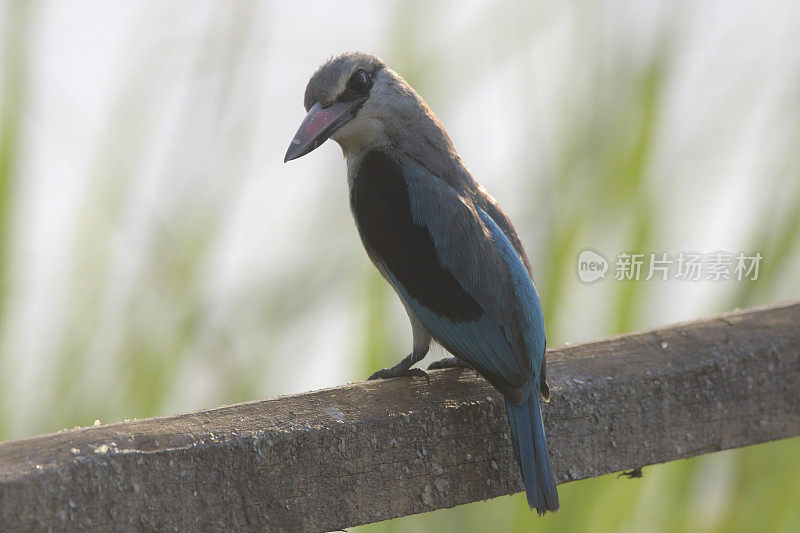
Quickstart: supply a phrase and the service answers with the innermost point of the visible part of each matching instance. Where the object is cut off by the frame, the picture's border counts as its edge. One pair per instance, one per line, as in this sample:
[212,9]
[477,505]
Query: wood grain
[370,451]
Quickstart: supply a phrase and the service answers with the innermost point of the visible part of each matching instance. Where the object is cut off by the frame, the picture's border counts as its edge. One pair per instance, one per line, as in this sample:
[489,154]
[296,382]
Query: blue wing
[506,342]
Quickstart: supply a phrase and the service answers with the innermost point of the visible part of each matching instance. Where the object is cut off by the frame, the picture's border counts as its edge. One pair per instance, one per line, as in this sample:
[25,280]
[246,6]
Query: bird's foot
[403,368]
[448,362]
[397,372]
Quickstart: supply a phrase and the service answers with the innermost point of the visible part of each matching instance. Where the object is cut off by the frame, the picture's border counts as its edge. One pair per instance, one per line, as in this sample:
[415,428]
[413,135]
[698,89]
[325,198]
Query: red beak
[319,124]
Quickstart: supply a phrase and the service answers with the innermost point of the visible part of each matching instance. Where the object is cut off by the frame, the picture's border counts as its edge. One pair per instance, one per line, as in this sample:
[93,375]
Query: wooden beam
[370,451]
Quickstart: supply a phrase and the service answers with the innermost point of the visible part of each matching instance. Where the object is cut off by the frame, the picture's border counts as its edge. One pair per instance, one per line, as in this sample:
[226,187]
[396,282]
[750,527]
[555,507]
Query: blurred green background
[158,257]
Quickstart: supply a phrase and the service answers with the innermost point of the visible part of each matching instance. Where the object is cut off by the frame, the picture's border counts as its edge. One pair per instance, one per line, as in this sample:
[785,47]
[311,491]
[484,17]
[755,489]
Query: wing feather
[506,343]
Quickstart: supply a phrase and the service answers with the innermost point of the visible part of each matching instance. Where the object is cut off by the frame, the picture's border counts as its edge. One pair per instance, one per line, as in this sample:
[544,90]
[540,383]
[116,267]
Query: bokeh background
[157,256]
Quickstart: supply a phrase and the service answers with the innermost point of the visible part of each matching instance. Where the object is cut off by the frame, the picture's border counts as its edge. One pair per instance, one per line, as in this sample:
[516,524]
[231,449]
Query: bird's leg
[422,343]
[403,368]
[448,362]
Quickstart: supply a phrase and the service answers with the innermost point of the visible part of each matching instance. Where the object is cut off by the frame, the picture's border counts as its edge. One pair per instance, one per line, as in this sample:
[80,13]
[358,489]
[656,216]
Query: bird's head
[358,101]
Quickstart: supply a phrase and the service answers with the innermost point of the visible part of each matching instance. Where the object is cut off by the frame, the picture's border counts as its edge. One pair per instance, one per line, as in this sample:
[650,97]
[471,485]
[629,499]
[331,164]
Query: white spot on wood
[335,413]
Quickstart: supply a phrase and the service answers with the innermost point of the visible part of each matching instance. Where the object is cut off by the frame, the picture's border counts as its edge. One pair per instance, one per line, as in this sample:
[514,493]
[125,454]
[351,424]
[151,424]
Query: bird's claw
[419,373]
[394,372]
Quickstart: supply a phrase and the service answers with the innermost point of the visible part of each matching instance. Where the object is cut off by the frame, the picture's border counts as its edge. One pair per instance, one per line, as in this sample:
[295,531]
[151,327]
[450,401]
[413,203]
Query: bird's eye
[359,82]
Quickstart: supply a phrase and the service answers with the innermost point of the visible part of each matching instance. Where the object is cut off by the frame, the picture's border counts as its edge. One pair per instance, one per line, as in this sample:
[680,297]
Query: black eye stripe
[357,87]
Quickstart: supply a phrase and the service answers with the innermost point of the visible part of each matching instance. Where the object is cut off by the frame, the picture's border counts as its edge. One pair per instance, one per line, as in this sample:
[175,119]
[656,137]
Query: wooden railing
[371,451]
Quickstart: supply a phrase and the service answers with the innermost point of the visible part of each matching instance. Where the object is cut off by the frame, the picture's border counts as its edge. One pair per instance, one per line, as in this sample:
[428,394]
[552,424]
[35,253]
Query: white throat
[360,134]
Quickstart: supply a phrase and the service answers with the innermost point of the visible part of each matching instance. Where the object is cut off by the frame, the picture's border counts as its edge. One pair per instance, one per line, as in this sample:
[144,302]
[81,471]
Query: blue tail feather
[530,447]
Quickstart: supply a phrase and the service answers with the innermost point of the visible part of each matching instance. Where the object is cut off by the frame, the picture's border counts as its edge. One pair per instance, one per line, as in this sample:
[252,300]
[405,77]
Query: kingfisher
[441,241]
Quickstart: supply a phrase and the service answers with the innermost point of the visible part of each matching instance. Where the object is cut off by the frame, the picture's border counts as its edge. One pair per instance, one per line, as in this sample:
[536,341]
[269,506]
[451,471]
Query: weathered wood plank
[366,452]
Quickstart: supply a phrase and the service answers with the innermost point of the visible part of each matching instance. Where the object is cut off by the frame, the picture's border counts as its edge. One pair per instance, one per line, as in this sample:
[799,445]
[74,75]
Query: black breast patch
[380,204]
